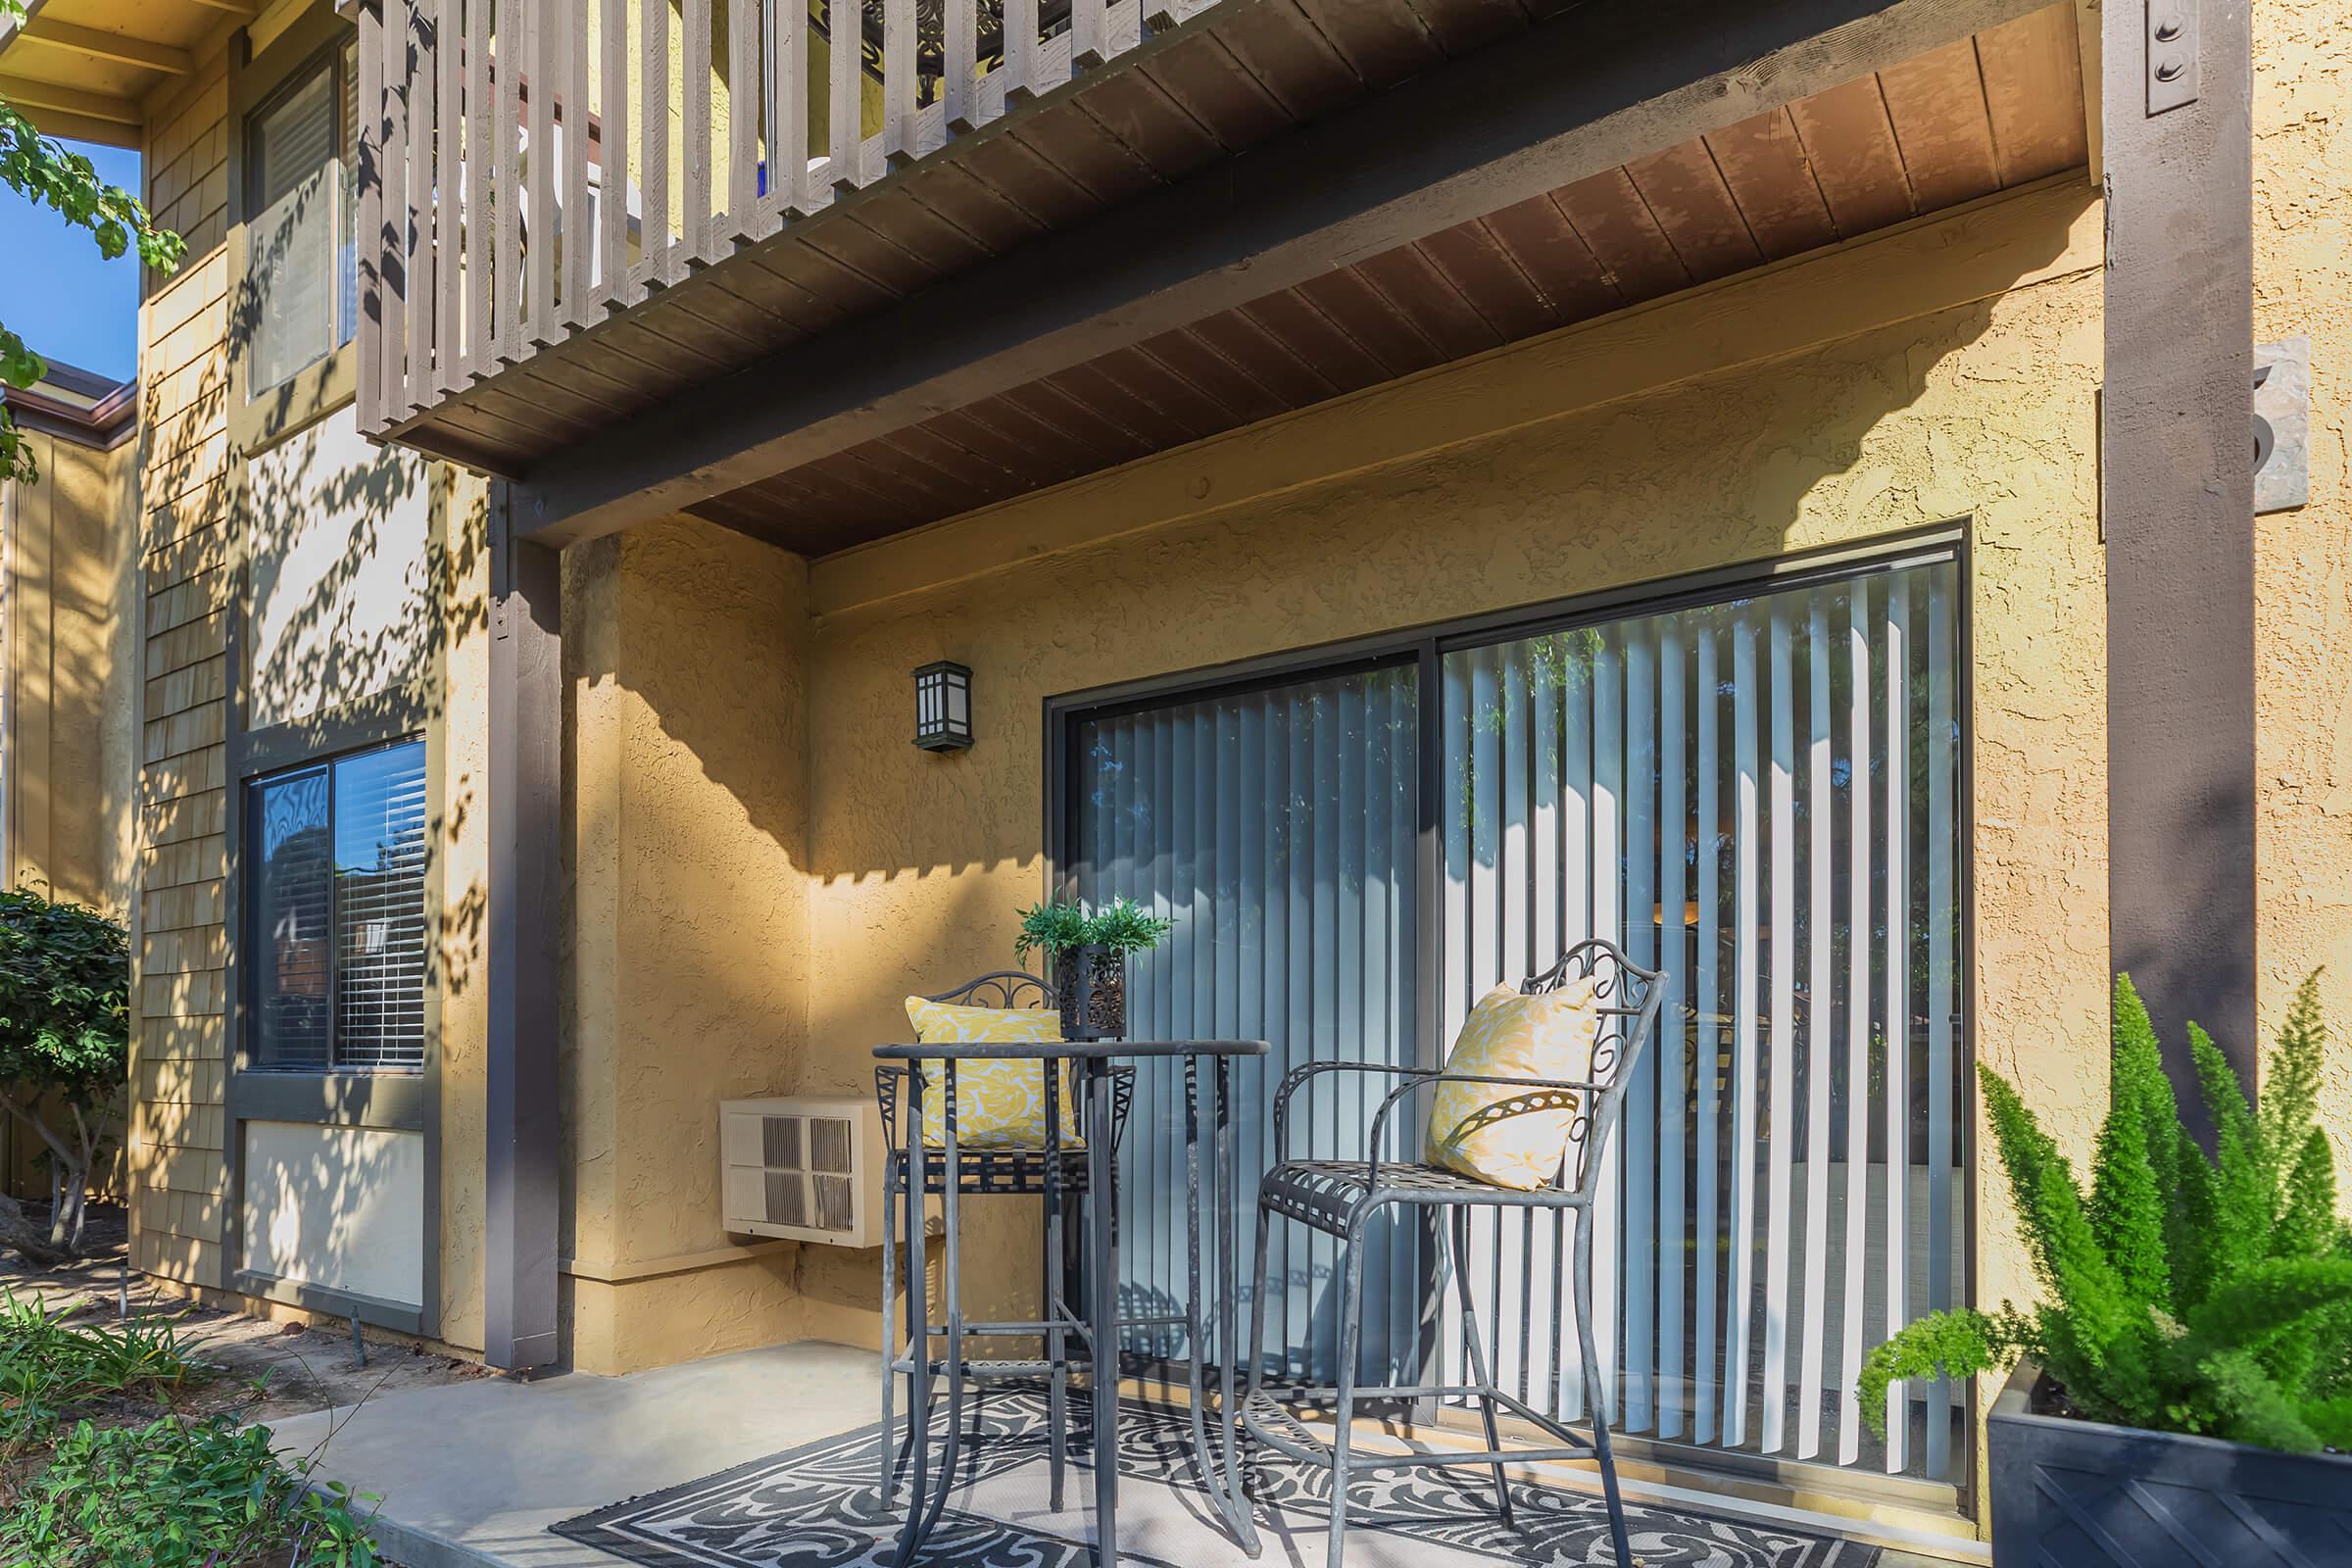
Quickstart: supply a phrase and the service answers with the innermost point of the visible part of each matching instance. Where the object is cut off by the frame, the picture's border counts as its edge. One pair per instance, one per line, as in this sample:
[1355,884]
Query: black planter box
[2085,1495]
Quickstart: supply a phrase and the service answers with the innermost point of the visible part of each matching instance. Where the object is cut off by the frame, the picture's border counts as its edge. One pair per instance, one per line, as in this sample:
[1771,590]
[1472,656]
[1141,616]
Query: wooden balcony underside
[1243,70]
[1982,115]
[1267,204]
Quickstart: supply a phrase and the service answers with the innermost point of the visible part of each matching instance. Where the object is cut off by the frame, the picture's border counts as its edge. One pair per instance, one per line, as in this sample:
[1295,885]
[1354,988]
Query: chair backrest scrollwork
[1630,999]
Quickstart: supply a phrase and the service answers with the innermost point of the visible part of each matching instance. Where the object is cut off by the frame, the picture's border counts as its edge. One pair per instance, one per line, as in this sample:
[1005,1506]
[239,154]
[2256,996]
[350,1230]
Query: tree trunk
[22,1235]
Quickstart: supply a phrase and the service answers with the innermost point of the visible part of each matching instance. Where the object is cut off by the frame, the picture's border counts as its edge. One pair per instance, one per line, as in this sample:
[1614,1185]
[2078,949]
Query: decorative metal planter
[2093,1495]
[1093,981]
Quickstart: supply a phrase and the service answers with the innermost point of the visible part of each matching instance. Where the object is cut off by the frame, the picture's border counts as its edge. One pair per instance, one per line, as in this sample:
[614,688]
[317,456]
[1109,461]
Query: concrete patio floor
[471,1475]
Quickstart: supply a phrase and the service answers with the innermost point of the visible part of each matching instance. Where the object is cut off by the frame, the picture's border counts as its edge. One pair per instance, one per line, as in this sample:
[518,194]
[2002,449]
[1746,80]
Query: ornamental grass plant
[2183,1291]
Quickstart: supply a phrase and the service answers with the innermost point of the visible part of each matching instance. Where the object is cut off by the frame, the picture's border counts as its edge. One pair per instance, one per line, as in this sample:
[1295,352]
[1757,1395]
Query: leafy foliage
[65,1045]
[49,1367]
[1064,925]
[176,1491]
[180,1494]
[2184,1294]
[41,170]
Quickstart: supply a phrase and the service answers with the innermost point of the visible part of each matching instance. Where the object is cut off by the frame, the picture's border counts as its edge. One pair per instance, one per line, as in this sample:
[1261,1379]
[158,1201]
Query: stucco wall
[685,656]
[2303,559]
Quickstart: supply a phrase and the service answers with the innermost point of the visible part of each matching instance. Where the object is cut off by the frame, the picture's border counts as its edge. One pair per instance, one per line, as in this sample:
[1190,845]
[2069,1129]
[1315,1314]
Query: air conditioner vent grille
[829,1144]
[802,1169]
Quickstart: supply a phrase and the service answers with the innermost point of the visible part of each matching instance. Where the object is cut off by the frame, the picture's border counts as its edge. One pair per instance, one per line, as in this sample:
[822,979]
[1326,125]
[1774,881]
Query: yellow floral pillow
[999,1104]
[1508,1035]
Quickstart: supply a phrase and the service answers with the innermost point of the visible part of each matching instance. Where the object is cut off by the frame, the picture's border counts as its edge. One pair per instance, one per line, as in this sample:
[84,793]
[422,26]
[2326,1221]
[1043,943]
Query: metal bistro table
[1099,1327]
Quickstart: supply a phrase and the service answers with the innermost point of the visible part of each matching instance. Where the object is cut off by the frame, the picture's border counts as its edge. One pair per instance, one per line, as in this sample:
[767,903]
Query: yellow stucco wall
[685,653]
[2303,559]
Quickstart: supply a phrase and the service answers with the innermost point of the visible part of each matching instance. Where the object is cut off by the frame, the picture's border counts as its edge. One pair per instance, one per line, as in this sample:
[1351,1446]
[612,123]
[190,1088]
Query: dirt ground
[265,1371]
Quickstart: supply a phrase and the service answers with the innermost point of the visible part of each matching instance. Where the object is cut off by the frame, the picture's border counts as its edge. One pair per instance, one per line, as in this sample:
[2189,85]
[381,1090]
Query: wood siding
[179,1030]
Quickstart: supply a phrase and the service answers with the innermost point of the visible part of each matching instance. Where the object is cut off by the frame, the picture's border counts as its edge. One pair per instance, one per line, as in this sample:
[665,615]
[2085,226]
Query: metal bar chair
[1341,1197]
[1052,1172]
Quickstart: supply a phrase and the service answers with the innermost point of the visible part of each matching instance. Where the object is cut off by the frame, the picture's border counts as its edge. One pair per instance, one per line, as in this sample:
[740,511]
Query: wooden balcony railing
[677,132]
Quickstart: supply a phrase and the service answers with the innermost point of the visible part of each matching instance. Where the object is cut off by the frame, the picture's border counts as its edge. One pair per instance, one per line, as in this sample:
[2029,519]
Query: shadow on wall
[320,576]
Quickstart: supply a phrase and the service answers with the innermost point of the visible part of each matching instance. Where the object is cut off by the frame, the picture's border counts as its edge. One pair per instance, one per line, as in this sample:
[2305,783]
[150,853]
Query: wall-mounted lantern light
[943,707]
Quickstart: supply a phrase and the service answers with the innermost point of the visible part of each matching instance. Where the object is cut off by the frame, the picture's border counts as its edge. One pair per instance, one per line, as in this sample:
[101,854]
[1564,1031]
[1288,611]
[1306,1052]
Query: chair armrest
[1299,1077]
[1575,1089]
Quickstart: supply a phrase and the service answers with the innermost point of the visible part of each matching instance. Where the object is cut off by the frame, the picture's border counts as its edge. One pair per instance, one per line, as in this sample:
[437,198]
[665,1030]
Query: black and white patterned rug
[816,1507]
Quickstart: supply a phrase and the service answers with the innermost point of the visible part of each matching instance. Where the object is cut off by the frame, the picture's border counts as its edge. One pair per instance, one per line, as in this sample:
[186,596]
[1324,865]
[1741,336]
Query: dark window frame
[326,765]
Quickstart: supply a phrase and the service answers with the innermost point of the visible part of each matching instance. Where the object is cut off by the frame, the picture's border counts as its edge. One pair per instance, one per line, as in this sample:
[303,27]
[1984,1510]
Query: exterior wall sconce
[943,707]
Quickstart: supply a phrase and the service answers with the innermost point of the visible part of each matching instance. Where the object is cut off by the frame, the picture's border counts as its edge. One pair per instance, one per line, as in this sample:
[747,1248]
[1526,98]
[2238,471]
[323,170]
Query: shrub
[2184,1294]
[180,1494]
[65,1045]
[48,1368]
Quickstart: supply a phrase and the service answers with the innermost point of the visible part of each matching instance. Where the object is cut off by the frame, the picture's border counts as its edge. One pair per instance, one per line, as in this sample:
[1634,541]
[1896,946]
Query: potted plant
[1087,951]
[2185,1393]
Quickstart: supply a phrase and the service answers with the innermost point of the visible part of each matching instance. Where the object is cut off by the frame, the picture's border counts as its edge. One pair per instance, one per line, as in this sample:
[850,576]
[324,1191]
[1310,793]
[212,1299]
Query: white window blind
[336,888]
[301,259]
[1758,795]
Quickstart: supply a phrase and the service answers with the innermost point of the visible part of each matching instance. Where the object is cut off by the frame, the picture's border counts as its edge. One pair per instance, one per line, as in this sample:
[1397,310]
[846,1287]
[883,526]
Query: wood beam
[522,1187]
[27,94]
[81,127]
[1578,94]
[2176,459]
[97,44]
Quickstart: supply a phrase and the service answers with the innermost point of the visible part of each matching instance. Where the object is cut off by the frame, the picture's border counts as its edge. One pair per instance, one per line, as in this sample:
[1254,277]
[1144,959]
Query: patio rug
[815,1507]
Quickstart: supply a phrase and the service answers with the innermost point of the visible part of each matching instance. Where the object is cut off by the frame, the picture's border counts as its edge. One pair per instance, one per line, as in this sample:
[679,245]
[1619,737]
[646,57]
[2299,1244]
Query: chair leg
[1257,1343]
[1594,1392]
[889,1487]
[1351,1309]
[1058,1385]
[1460,1228]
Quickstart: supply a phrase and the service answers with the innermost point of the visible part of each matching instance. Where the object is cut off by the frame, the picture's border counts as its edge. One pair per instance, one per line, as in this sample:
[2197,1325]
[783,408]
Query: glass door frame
[1427,646]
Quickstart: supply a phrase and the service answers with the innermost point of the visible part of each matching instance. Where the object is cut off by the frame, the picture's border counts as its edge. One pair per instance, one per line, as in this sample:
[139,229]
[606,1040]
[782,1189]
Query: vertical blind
[337,902]
[1277,827]
[1758,795]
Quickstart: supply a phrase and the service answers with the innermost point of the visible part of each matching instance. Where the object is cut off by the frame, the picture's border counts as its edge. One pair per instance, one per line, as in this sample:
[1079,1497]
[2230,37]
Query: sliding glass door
[1758,797]
[1277,827]
[1757,792]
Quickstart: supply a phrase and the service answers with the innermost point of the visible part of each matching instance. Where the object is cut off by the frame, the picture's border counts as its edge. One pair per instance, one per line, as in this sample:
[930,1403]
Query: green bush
[178,1494]
[2184,1294]
[48,1368]
[65,1042]
[1064,925]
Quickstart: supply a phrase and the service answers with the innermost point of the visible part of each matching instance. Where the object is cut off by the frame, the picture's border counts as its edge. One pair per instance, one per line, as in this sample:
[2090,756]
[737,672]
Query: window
[302,257]
[1756,785]
[337,885]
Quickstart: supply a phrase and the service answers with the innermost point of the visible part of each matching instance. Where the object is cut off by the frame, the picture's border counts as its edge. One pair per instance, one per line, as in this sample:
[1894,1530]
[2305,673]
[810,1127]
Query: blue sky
[57,293]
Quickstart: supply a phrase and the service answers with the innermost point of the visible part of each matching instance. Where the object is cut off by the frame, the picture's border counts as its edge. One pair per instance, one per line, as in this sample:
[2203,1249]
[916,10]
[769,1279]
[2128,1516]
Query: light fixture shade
[943,707]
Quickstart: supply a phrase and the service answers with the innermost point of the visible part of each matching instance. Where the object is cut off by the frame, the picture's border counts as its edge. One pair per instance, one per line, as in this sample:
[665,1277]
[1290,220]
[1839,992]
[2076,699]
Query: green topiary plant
[2186,1293]
[1064,925]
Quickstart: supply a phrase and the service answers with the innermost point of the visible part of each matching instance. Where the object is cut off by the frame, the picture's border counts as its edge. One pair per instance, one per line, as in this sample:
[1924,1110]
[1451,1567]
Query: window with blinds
[302,274]
[337,866]
[1759,795]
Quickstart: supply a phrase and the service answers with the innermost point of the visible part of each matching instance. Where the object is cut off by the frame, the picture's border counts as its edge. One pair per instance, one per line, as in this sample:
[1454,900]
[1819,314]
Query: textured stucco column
[687,978]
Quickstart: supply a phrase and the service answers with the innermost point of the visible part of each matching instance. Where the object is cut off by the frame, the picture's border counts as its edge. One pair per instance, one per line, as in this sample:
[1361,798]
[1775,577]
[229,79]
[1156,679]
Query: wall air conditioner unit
[808,1168]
